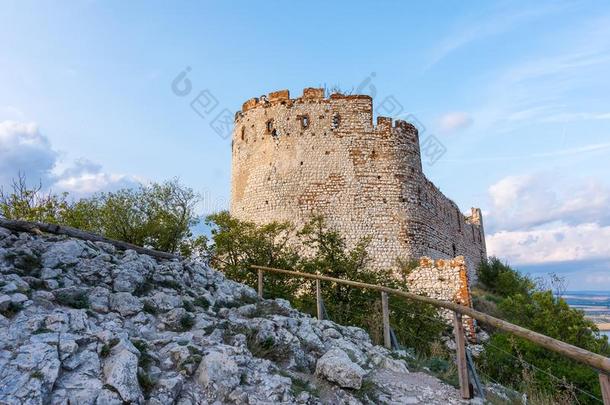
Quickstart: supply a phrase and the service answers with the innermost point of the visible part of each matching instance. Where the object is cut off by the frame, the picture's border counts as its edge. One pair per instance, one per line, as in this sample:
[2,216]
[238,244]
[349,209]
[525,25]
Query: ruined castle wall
[445,280]
[293,158]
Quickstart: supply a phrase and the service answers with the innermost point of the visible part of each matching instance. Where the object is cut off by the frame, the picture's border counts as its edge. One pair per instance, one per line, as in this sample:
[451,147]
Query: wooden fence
[596,361]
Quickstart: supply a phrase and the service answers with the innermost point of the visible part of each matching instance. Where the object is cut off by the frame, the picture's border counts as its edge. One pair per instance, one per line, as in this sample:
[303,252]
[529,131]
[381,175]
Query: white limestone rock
[125,304]
[63,253]
[121,372]
[218,371]
[337,367]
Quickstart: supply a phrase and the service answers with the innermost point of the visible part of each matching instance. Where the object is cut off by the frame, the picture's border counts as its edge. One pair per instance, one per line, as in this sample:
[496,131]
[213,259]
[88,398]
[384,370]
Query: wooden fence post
[460,351]
[604,381]
[319,300]
[385,313]
[260,283]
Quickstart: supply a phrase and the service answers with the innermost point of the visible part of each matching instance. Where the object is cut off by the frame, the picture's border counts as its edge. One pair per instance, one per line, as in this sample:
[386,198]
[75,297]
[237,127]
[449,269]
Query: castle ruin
[292,158]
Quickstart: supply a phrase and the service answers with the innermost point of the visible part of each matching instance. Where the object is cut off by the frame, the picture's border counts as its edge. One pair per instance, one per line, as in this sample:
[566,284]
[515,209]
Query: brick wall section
[292,158]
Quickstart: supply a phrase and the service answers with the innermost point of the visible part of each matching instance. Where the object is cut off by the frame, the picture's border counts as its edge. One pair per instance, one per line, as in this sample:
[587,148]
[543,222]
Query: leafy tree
[317,249]
[237,245]
[506,358]
[500,279]
[159,215]
[31,204]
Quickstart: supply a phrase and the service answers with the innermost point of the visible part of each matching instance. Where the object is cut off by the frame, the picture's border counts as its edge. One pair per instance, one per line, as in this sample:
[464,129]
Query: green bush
[201,302]
[187,321]
[74,299]
[158,215]
[507,358]
[502,280]
[237,245]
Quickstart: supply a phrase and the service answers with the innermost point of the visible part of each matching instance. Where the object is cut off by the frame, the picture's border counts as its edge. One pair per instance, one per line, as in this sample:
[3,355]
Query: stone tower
[292,158]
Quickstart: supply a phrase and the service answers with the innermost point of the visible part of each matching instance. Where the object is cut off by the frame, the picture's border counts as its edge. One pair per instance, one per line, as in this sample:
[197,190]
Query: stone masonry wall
[293,158]
[445,280]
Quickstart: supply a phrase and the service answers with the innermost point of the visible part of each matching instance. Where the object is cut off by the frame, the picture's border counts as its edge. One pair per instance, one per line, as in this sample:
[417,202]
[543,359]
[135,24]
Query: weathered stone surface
[5,302]
[63,253]
[121,372]
[218,371]
[240,349]
[125,303]
[99,299]
[337,367]
[294,156]
[30,375]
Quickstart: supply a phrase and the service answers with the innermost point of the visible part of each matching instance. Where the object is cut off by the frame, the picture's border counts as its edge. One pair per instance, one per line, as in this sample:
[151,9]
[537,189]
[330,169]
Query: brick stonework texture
[292,158]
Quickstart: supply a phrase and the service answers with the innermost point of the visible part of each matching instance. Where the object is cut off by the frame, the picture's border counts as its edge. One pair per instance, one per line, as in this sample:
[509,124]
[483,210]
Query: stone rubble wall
[293,158]
[445,280]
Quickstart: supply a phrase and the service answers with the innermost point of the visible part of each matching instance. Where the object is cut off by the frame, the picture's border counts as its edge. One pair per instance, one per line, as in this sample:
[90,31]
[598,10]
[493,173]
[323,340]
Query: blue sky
[517,92]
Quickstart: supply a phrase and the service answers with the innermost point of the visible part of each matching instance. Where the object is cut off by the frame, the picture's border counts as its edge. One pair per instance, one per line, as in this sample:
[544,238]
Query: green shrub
[507,359]
[149,308]
[188,305]
[158,215]
[173,284]
[12,310]
[145,359]
[201,302]
[146,383]
[74,299]
[107,347]
[501,279]
[187,321]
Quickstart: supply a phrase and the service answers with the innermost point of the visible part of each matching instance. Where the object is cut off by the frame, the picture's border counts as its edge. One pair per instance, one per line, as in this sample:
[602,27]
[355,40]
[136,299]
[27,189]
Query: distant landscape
[595,304]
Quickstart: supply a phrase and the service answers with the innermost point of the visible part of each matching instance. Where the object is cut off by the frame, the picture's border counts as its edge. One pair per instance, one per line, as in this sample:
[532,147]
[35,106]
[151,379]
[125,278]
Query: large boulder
[219,371]
[121,372]
[337,367]
[63,253]
[125,304]
[30,376]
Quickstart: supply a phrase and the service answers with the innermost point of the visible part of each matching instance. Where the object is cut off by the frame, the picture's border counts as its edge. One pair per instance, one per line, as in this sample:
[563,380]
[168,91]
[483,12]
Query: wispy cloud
[582,116]
[454,121]
[481,26]
[579,150]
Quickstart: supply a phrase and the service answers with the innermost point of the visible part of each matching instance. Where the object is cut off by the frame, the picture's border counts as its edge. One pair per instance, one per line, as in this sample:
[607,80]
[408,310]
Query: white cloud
[558,243]
[454,121]
[545,218]
[23,149]
[525,202]
[85,177]
[583,116]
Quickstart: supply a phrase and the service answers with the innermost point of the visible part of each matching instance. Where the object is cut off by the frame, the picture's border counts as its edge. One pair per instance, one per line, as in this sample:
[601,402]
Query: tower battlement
[294,157]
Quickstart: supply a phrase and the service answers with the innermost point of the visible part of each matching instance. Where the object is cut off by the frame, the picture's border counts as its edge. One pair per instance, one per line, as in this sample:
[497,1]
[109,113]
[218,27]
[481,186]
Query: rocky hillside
[83,323]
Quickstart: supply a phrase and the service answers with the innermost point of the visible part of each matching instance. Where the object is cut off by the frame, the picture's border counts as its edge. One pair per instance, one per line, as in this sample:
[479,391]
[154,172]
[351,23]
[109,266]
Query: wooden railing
[594,360]
[39,227]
